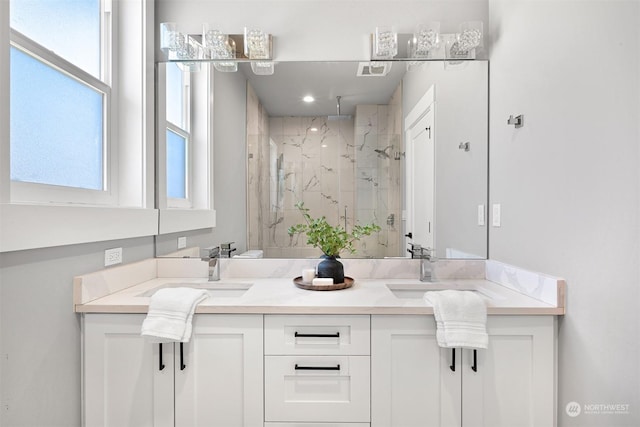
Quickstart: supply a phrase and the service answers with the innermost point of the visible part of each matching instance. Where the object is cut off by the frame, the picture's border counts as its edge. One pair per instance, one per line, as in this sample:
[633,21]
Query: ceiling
[281,93]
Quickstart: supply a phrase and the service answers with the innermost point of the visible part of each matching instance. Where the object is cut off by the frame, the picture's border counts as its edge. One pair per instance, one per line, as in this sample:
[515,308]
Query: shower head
[339,116]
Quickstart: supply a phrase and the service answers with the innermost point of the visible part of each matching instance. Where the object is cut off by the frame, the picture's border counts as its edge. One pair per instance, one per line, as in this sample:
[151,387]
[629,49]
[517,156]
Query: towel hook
[517,121]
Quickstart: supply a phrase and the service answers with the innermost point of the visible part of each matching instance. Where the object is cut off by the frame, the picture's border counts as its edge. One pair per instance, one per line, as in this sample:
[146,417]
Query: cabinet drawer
[317,388]
[316,335]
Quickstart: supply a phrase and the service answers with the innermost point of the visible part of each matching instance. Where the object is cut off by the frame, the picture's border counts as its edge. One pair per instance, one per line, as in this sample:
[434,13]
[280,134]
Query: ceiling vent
[373,69]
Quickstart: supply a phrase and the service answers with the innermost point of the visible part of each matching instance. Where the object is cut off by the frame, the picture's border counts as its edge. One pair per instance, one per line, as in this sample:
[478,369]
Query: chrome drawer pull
[299,335]
[317,368]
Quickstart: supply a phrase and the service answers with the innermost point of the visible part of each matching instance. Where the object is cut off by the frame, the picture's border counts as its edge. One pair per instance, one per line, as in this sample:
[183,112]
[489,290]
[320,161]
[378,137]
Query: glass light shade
[470,35]
[426,39]
[385,43]
[219,46]
[168,36]
[256,44]
[263,68]
[466,41]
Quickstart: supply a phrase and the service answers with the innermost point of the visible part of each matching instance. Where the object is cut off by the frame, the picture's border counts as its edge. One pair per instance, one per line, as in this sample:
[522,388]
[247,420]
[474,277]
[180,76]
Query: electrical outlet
[182,242]
[112,256]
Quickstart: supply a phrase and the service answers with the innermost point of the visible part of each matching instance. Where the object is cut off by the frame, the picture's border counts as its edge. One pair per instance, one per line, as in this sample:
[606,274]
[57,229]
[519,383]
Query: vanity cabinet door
[412,383]
[219,375]
[123,382]
[511,383]
[514,380]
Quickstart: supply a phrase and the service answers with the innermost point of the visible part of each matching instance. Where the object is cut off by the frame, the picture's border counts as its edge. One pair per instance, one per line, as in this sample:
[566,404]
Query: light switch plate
[182,242]
[480,214]
[496,215]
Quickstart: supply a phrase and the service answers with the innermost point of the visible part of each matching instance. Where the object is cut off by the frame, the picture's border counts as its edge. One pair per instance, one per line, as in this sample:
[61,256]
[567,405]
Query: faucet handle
[415,251]
[428,253]
[210,252]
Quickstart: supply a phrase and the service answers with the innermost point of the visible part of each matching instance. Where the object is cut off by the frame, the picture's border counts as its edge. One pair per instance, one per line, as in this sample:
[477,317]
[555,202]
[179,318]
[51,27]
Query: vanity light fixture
[385,43]
[256,46]
[426,42]
[308,98]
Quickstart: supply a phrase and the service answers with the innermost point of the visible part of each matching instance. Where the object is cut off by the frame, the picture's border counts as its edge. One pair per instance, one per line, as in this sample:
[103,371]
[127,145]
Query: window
[184,148]
[178,138]
[76,122]
[60,148]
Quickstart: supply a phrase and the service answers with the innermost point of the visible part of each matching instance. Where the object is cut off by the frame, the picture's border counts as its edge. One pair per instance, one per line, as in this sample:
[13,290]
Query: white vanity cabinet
[317,370]
[216,379]
[416,383]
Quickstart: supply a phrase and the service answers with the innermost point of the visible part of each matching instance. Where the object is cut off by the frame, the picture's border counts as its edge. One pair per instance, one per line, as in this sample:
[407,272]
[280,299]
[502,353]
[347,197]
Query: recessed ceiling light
[314,129]
[308,98]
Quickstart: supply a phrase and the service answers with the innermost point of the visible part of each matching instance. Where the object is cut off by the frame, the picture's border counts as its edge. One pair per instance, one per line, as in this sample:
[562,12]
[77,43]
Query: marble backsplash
[389,268]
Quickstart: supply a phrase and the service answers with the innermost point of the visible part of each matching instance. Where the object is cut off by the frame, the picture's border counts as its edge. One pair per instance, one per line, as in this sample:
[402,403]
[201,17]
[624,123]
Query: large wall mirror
[352,156]
[404,145]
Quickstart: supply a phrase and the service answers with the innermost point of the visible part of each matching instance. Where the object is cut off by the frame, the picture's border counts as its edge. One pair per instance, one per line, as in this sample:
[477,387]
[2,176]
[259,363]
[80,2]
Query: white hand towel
[171,313]
[461,319]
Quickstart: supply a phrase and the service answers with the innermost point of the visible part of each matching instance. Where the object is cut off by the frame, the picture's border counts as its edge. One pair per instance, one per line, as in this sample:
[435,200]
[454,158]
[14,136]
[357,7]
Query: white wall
[40,353]
[230,159]
[568,182]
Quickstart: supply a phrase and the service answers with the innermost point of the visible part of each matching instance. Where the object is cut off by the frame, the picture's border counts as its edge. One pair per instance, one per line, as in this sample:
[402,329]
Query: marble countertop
[280,295]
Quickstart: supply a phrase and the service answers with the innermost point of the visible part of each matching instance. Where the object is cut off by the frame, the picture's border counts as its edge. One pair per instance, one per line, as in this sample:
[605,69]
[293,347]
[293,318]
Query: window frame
[38,225]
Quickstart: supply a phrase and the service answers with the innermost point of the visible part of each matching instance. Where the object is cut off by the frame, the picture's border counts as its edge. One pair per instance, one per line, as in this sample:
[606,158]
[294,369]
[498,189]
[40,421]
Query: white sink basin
[214,289]
[417,290]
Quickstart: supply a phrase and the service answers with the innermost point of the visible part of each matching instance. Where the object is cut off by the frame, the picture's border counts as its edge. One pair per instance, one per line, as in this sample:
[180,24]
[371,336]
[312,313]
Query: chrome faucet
[427,258]
[212,256]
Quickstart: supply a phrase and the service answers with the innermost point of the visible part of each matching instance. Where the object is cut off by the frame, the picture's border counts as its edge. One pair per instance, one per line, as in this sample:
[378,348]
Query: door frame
[421,109]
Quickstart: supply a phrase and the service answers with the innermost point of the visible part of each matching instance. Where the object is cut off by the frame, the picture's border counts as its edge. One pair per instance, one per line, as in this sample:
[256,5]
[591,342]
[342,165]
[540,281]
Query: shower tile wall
[379,159]
[288,162]
[258,212]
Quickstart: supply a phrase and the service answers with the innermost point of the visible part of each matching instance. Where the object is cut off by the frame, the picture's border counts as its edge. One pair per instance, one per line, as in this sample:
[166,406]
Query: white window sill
[27,226]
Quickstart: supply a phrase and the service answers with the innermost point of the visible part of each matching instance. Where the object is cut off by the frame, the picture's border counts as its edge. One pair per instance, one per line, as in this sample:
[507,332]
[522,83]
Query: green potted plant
[331,240]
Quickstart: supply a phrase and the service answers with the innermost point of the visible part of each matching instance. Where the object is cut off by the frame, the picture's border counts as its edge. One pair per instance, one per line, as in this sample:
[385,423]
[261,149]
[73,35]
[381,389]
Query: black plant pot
[331,268]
